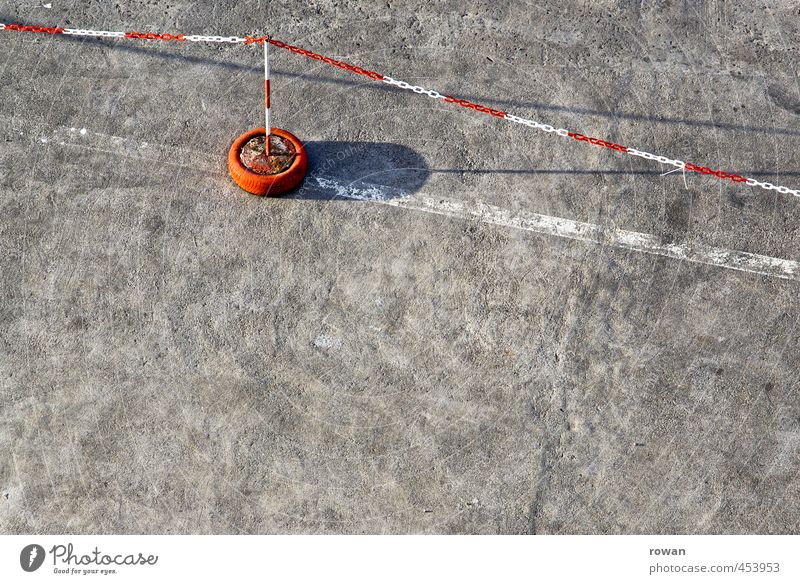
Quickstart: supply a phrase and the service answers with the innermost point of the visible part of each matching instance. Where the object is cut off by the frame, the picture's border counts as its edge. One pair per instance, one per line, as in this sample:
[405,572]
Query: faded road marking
[526,221]
[570,229]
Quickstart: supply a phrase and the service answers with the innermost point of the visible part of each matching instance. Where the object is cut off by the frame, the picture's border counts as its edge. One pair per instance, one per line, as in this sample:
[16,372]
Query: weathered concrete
[177,356]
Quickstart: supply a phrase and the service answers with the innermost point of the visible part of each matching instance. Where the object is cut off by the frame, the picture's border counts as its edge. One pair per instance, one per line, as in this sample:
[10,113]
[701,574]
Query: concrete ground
[449,328]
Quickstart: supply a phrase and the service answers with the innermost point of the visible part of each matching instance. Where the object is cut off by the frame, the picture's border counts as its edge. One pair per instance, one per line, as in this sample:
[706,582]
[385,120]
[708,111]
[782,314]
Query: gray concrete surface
[179,357]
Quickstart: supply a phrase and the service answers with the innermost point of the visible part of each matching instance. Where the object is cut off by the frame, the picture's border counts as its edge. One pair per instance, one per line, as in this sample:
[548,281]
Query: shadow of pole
[578,171]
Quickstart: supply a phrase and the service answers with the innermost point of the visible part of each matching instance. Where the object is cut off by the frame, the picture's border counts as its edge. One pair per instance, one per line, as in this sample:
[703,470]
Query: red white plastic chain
[317,57]
[248,40]
[151,36]
[23,28]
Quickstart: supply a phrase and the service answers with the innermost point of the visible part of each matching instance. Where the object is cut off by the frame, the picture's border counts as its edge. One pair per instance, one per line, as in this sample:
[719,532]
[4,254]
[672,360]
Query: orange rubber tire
[272,185]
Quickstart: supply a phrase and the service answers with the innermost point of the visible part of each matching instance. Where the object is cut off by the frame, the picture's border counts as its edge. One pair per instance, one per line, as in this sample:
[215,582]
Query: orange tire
[272,185]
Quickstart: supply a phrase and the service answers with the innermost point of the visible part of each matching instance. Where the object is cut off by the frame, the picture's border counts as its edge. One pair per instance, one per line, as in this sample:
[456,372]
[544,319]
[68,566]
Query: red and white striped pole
[266,101]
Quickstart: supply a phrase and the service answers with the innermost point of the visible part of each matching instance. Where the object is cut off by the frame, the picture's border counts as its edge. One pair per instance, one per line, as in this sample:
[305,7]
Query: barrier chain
[250,40]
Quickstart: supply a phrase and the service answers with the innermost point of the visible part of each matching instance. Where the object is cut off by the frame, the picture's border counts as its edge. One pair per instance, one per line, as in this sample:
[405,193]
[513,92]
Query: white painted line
[133,149]
[557,226]
[526,221]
